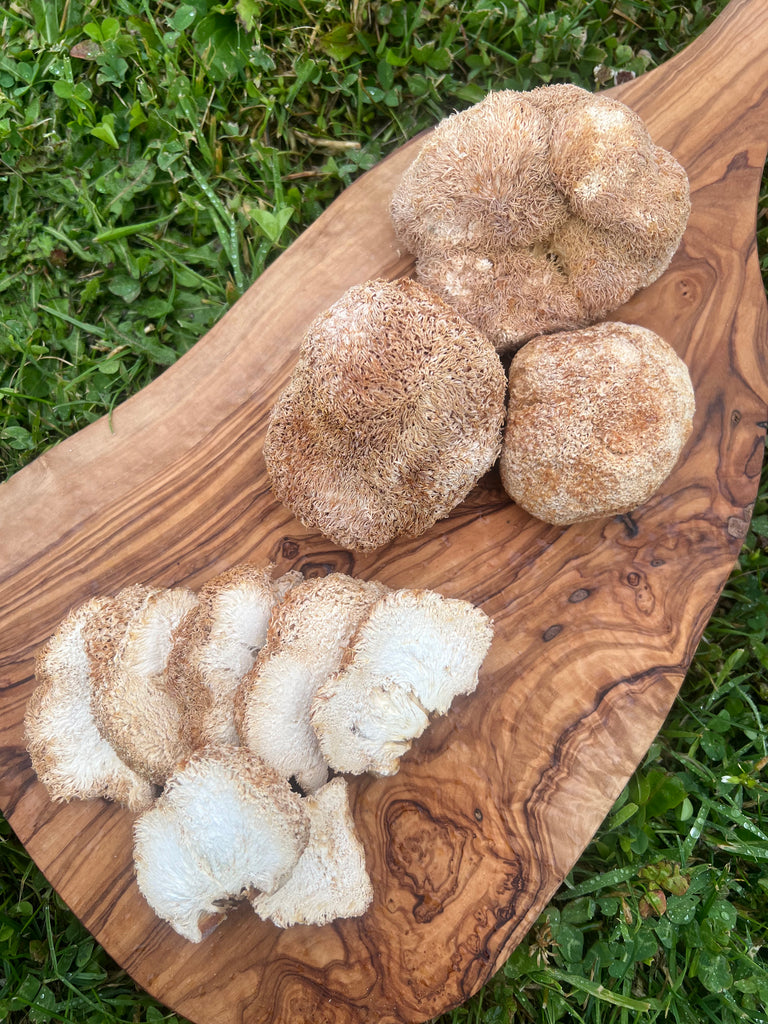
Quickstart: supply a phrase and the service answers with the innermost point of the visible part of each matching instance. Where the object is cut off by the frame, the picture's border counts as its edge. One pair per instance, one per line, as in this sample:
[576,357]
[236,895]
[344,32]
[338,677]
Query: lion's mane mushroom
[597,420]
[70,756]
[131,704]
[225,826]
[532,212]
[330,880]
[215,646]
[392,414]
[411,656]
[307,637]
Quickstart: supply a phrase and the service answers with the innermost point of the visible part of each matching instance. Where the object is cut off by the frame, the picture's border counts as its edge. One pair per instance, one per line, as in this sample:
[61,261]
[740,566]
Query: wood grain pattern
[595,624]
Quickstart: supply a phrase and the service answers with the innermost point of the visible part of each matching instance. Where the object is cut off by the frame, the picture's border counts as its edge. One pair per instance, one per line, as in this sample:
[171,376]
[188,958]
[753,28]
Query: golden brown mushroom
[597,420]
[392,414]
[533,212]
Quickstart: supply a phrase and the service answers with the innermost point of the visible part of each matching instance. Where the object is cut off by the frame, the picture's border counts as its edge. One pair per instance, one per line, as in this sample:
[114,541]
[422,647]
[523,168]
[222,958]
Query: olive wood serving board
[595,624]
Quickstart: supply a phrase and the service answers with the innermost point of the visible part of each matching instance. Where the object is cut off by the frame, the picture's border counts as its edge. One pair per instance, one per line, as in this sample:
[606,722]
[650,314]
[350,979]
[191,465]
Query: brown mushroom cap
[392,414]
[533,212]
[330,880]
[597,420]
[70,756]
[215,646]
[308,635]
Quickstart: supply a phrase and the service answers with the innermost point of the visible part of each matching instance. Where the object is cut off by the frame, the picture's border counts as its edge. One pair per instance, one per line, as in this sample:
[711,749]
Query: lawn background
[154,158]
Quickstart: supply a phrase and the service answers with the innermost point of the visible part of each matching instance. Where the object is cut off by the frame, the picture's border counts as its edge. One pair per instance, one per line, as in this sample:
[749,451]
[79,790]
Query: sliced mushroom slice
[330,880]
[216,644]
[225,825]
[131,704]
[69,754]
[308,635]
[411,656]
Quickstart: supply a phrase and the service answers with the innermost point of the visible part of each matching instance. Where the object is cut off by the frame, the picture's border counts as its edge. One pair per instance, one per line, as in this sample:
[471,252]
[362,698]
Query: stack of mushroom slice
[307,638]
[351,674]
[240,705]
[109,717]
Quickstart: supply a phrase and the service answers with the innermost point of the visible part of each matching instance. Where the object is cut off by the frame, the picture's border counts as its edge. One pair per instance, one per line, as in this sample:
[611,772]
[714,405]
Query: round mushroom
[393,413]
[533,212]
[597,420]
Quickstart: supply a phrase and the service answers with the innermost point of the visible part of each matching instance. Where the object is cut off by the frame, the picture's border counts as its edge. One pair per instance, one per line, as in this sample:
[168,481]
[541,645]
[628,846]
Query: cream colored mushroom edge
[227,721]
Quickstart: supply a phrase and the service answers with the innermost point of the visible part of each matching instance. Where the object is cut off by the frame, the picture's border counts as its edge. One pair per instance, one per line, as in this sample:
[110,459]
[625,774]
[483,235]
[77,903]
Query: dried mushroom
[533,212]
[412,655]
[308,635]
[597,420]
[330,880]
[70,756]
[392,414]
[226,825]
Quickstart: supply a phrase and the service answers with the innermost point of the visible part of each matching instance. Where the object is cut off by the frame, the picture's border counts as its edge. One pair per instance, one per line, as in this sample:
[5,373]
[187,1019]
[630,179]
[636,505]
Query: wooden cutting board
[595,624]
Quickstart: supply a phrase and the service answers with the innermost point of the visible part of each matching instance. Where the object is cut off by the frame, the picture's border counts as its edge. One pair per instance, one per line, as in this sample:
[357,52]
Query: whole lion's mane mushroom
[597,420]
[391,416]
[533,212]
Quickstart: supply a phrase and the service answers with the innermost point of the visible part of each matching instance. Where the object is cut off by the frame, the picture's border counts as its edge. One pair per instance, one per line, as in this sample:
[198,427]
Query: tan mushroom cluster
[391,416]
[532,212]
[227,718]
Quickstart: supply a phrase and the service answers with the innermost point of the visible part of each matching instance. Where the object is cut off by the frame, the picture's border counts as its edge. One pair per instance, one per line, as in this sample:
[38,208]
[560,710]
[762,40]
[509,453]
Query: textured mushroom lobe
[392,414]
[225,825]
[131,704]
[330,880]
[215,646]
[597,420]
[619,210]
[307,637]
[412,655]
[69,755]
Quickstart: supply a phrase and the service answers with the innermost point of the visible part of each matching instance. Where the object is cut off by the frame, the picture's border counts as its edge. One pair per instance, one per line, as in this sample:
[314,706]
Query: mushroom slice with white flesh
[216,644]
[225,826]
[68,753]
[330,880]
[131,704]
[411,656]
[308,635]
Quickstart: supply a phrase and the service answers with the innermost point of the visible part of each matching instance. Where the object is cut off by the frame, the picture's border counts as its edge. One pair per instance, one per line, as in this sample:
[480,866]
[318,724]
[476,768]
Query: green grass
[154,158]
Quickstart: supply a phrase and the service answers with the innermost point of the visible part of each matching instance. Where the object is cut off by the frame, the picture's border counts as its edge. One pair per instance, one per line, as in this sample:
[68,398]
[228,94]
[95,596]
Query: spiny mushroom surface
[225,824]
[392,414]
[215,645]
[412,655]
[597,420]
[532,212]
[131,703]
[330,880]
[70,756]
[307,637]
